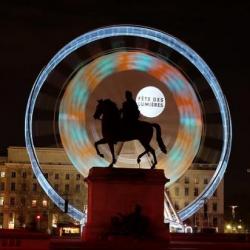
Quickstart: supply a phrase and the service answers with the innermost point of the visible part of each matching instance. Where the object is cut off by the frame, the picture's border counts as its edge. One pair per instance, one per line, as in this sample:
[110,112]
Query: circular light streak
[72,115]
[164,39]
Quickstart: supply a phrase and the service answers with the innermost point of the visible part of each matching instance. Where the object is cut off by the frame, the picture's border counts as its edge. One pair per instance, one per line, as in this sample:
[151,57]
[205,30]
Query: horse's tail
[158,138]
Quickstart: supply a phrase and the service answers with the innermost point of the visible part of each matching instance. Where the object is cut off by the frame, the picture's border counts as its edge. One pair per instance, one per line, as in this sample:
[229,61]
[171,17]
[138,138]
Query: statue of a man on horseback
[123,125]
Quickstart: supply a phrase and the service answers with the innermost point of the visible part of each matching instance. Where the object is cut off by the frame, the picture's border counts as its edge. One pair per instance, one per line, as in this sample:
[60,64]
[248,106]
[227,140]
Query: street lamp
[38,219]
[233,207]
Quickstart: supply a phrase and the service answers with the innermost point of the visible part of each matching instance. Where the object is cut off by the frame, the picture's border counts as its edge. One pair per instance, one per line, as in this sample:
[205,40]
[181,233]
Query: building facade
[24,204]
[187,189]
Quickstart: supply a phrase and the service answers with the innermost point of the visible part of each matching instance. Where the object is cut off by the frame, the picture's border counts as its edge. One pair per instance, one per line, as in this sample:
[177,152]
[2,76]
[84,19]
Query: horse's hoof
[138,160]
[153,167]
[101,155]
[110,166]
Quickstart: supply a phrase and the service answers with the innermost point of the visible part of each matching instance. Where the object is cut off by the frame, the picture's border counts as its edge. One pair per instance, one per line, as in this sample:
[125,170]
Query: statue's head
[128,94]
[98,111]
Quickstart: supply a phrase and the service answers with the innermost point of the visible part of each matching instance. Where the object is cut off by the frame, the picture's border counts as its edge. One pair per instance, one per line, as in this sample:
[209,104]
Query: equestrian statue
[124,125]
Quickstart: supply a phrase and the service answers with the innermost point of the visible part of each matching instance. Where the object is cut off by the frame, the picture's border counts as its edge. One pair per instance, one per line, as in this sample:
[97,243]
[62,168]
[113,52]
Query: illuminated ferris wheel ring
[153,35]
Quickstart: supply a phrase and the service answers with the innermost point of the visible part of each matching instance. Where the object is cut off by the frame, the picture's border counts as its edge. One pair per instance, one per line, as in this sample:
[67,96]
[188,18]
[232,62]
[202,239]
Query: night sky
[33,31]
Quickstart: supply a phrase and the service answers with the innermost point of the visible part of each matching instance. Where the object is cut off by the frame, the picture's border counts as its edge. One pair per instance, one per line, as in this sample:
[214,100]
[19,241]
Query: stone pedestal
[117,192]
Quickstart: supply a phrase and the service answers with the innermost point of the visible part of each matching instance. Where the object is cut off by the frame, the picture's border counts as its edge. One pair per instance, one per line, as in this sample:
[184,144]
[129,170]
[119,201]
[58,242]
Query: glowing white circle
[150,101]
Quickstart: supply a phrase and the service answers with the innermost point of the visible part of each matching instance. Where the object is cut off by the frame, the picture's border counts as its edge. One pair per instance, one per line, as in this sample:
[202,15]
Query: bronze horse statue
[114,130]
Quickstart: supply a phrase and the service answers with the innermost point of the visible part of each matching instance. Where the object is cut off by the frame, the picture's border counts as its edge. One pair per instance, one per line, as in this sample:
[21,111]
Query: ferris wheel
[172,85]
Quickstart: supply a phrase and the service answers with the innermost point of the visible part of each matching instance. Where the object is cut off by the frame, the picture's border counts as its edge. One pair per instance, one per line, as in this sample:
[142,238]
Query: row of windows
[78,177]
[13,186]
[33,203]
[12,202]
[200,221]
[66,177]
[35,187]
[214,208]
[186,191]
[78,188]
[196,180]
[56,175]
[205,208]
[67,187]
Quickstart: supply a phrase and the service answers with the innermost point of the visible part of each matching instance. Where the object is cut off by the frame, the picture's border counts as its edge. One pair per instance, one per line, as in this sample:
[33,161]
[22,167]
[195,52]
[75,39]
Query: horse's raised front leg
[111,147]
[102,141]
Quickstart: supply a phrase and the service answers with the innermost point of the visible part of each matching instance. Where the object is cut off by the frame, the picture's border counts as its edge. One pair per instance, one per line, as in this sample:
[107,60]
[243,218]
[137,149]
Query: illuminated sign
[150,101]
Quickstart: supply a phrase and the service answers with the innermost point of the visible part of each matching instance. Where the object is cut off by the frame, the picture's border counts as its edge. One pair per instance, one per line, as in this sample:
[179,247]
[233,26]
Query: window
[205,210]
[196,220]
[24,175]
[214,207]
[23,186]
[13,174]
[196,180]
[66,187]
[78,177]
[34,187]
[205,181]
[33,203]
[56,176]
[56,187]
[1,220]
[1,200]
[215,221]
[78,187]
[2,186]
[186,180]
[176,206]
[176,191]
[23,201]
[45,203]
[215,193]
[196,191]
[12,201]
[67,176]
[186,191]
[12,186]
[2,174]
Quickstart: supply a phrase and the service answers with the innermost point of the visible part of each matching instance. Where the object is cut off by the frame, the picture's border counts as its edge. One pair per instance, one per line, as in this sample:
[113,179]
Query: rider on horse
[116,129]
